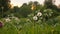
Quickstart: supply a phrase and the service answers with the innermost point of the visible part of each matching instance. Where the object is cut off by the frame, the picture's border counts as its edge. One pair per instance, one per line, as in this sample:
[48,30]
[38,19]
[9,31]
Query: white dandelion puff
[35,18]
[39,14]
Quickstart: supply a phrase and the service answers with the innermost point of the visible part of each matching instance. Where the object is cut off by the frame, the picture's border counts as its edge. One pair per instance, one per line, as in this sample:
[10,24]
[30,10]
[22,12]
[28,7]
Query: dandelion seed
[39,14]
[35,18]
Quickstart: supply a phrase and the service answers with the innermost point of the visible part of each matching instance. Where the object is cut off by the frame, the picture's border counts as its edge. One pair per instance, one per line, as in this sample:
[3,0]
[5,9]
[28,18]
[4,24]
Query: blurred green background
[31,18]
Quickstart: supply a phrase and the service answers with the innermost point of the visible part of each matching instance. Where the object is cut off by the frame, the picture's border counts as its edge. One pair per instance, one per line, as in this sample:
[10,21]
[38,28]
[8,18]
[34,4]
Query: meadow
[26,26]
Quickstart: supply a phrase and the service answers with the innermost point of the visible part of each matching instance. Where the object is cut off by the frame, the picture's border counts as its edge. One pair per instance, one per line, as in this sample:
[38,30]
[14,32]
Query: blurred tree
[36,5]
[4,6]
[25,10]
[49,4]
[16,11]
[16,8]
[30,3]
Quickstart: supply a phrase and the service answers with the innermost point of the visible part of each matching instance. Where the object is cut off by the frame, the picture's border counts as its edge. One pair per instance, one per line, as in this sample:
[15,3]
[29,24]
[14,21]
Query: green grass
[28,27]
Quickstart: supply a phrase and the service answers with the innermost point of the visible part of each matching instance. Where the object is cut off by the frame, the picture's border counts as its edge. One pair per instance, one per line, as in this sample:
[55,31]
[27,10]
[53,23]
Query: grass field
[26,26]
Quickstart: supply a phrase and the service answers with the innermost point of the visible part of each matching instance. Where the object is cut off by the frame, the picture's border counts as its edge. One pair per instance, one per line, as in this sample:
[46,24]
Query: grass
[28,27]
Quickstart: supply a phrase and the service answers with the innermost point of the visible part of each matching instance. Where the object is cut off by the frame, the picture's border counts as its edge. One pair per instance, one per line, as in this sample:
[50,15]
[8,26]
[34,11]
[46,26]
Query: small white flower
[39,14]
[16,18]
[35,18]
[7,20]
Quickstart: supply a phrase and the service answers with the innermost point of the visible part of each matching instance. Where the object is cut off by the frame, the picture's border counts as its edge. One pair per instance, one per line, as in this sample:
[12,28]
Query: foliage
[4,6]
[8,28]
[41,20]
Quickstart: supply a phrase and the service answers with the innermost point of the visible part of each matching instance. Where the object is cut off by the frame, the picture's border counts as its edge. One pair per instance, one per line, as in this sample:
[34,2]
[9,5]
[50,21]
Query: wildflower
[39,14]
[1,24]
[7,20]
[17,19]
[35,18]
